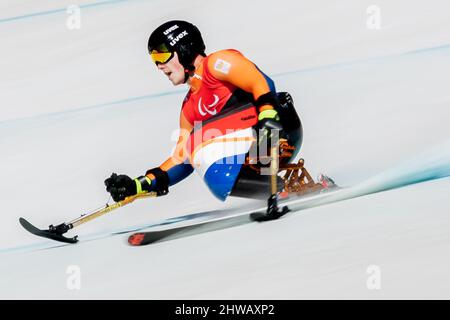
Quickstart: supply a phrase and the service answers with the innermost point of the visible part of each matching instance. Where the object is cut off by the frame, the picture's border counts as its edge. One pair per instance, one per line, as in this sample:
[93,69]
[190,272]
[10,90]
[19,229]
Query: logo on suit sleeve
[222,66]
[204,110]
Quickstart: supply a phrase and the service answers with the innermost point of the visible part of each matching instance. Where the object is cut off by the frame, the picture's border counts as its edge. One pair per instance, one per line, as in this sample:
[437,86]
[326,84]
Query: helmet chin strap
[188,69]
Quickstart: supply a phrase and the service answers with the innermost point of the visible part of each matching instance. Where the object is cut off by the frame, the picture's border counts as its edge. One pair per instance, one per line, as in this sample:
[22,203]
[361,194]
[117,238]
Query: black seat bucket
[292,126]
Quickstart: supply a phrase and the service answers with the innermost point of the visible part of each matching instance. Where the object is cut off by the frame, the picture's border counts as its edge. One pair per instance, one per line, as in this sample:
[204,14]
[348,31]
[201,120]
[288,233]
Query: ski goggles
[161,54]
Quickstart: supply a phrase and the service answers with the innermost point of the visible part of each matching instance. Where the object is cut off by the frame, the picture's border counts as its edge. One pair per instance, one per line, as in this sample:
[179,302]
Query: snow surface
[77,105]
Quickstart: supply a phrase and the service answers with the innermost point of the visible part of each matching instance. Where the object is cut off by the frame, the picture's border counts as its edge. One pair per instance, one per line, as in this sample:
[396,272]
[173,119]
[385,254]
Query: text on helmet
[178,37]
[170,29]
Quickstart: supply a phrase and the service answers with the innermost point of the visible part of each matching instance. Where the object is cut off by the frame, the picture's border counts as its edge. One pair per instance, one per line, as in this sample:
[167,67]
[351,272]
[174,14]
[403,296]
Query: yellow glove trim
[268,114]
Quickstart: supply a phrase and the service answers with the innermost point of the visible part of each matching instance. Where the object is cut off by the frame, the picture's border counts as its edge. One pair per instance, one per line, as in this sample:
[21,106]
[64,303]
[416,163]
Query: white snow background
[77,105]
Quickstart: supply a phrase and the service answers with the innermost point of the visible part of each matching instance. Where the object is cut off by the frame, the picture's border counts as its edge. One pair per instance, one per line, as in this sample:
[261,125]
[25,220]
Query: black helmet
[178,36]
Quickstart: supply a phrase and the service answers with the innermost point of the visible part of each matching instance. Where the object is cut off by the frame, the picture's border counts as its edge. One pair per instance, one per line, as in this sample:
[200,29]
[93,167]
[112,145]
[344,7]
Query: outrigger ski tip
[53,233]
[56,232]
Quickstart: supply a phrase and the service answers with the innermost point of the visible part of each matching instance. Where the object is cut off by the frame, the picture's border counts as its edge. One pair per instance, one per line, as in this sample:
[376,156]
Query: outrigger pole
[56,232]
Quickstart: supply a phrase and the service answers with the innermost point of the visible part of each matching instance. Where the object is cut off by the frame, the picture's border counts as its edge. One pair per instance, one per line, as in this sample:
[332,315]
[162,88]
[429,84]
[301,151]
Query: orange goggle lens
[161,57]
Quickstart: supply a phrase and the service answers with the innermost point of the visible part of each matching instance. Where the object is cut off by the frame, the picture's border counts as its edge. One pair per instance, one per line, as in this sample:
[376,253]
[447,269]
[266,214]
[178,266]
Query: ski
[149,237]
[223,219]
[145,238]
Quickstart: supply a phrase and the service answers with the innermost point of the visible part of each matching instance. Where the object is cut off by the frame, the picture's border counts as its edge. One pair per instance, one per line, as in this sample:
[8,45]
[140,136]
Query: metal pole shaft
[274,169]
[108,208]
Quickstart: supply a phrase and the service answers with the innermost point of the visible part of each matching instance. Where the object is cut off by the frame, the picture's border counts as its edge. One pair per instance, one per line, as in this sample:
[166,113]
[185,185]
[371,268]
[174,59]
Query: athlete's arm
[177,166]
[157,179]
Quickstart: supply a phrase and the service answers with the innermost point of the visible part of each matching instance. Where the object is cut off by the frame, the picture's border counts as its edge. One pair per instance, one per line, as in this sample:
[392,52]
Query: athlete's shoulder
[225,53]
[221,62]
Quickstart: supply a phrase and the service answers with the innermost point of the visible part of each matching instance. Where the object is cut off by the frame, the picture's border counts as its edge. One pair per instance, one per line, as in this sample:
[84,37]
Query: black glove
[120,186]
